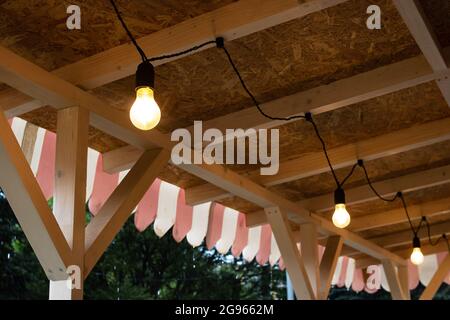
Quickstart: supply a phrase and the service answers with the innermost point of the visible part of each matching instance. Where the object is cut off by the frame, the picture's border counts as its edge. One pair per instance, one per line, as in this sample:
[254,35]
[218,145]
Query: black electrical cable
[249,93]
[397,195]
[349,174]
[177,54]
[130,35]
[444,236]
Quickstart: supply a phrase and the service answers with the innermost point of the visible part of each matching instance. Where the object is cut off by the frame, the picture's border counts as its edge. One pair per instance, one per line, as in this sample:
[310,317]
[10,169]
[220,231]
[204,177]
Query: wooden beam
[30,207]
[121,159]
[393,280]
[29,140]
[310,254]
[69,205]
[363,261]
[437,280]
[251,191]
[117,209]
[422,31]
[315,163]
[328,264]
[291,256]
[233,21]
[14,103]
[408,183]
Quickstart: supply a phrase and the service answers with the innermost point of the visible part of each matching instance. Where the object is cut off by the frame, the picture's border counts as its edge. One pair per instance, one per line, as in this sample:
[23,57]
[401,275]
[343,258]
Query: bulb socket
[145,75]
[416,242]
[339,196]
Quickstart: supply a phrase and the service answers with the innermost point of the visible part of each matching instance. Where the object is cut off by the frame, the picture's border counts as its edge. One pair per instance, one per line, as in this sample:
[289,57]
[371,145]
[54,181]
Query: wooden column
[310,254]
[437,279]
[403,277]
[328,264]
[290,253]
[70,192]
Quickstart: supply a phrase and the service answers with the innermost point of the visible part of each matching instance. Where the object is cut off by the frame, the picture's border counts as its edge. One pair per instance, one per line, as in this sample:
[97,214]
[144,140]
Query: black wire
[444,236]
[324,148]
[177,54]
[398,194]
[130,35]
[238,74]
[415,231]
[349,174]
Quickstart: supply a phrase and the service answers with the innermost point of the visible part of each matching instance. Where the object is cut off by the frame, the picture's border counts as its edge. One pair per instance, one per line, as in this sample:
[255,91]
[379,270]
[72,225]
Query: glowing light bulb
[417,256]
[145,113]
[341,217]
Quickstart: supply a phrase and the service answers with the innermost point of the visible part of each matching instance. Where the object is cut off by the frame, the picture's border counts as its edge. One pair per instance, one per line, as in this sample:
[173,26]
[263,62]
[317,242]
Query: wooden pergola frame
[61,239]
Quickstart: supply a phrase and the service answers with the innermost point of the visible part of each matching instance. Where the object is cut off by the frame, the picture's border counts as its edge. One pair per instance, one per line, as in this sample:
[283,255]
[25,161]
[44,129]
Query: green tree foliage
[142,266]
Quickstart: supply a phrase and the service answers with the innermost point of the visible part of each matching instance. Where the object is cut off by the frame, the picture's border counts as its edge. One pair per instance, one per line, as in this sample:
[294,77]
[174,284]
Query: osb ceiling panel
[438,14]
[317,49]
[36,29]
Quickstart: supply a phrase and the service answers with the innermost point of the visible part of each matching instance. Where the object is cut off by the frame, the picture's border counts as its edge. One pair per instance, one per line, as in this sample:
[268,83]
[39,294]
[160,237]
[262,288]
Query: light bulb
[145,113]
[341,217]
[417,256]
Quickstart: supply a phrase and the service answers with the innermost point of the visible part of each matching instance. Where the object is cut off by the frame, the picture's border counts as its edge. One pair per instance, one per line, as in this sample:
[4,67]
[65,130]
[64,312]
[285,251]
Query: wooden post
[404,281]
[437,279]
[291,255]
[310,254]
[328,264]
[393,280]
[70,192]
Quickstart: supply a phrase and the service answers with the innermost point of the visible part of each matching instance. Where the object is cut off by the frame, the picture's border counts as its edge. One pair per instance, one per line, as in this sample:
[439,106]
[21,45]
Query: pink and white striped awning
[220,227]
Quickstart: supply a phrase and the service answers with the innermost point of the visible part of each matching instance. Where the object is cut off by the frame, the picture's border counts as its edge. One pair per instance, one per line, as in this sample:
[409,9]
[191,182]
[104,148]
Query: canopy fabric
[220,227]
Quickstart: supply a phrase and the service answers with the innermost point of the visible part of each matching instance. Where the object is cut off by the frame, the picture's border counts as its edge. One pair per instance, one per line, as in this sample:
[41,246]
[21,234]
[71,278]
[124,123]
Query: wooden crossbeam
[251,191]
[310,254]
[117,209]
[437,280]
[408,183]
[363,261]
[393,280]
[69,205]
[30,207]
[294,262]
[422,31]
[403,277]
[328,263]
[315,163]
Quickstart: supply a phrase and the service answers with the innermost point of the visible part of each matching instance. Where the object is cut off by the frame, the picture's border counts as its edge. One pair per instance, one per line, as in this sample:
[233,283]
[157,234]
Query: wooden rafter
[420,28]
[310,254]
[30,207]
[408,183]
[393,280]
[315,163]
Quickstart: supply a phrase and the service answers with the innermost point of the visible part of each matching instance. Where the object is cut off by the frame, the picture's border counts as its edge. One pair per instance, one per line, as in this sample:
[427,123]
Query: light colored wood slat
[395,286]
[69,205]
[14,103]
[291,256]
[310,254]
[104,226]
[30,207]
[121,159]
[437,280]
[328,264]
[315,163]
